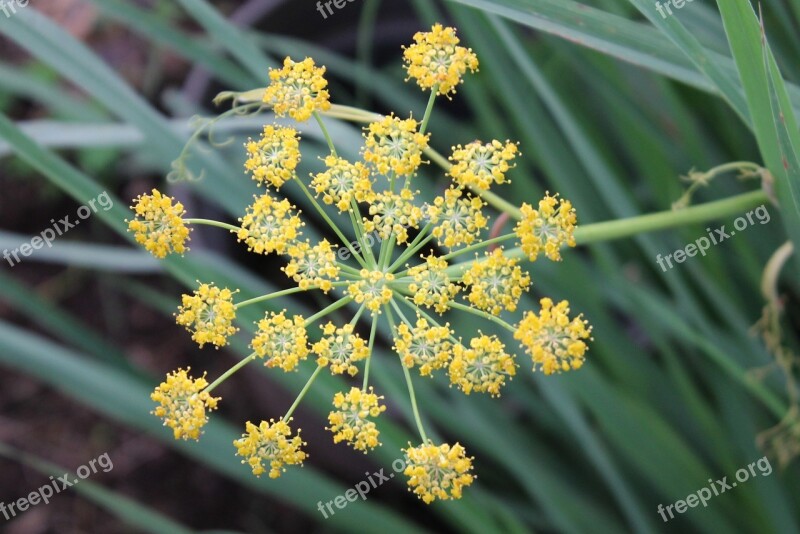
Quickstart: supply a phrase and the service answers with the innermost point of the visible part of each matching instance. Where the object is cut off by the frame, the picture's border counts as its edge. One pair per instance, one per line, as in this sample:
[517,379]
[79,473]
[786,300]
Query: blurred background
[680,385]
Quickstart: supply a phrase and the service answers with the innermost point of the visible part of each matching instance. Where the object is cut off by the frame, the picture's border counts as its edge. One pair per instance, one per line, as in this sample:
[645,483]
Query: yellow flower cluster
[274,157]
[270,445]
[394,145]
[312,266]
[555,342]
[208,314]
[159,224]
[547,229]
[436,61]
[425,346]
[372,289]
[270,225]
[479,165]
[350,421]
[432,286]
[496,283]
[438,472]
[343,182]
[298,89]
[483,367]
[281,340]
[183,404]
[340,348]
[457,217]
[393,214]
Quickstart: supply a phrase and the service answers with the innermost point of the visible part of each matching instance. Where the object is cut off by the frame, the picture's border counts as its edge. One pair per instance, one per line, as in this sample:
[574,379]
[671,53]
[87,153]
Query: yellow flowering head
[208,314]
[270,445]
[424,346]
[312,266]
[436,60]
[393,214]
[438,472]
[270,225]
[298,89]
[547,229]
[342,182]
[394,144]
[480,165]
[273,159]
[555,342]
[457,217]
[340,348]
[432,286]
[281,340]
[483,367]
[496,282]
[183,404]
[159,225]
[350,422]
[372,289]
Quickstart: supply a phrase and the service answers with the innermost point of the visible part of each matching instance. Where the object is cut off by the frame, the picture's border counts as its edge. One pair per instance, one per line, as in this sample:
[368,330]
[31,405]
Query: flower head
[438,472]
[350,421]
[425,346]
[555,342]
[342,183]
[394,144]
[496,282]
[271,444]
[457,218]
[159,224]
[479,165]
[547,229]
[393,214]
[298,89]
[340,348]
[432,286]
[312,266]
[183,404]
[275,156]
[372,289]
[435,60]
[208,314]
[483,367]
[270,225]
[281,340]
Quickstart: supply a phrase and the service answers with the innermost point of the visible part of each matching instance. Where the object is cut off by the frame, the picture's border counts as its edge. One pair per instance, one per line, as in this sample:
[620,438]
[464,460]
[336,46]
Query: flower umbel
[496,283]
[351,422]
[274,157]
[480,165]
[270,225]
[343,182]
[312,266]
[395,145]
[547,229]
[436,61]
[555,342]
[432,286]
[270,446]
[438,472]
[208,314]
[159,224]
[281,340]
[483,367]
[340,348]
[372,290]
[424,346]
[183,404]
[298,89]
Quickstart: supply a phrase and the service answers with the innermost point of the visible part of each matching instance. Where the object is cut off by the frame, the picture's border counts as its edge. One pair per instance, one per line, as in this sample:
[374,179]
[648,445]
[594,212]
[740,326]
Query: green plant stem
[325,132]
[358,228]
[209,222]
[481,313]
[330,309]
[410,386]
[420,241]
[229,373]
[302,394]
[282,293]
[372,331]
[429,109]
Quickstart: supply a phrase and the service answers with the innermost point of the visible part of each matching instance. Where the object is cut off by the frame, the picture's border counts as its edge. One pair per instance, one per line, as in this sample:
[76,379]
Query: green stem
[302,394]
[325,132]
[209,222]
[420,241]
[229,372]
[330,309]
[478,246]
[358,228]
[372,331]
[283,293]
[481,313]
[410,386]
[429,109]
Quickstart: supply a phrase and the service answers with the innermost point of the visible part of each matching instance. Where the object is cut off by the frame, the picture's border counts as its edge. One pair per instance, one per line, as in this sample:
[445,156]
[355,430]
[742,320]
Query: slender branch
[230,372]
[302,394]
[209,222]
